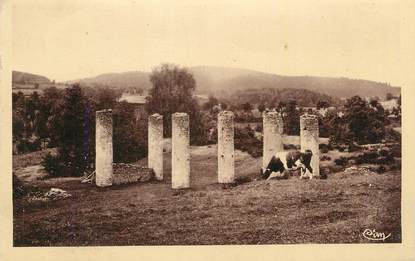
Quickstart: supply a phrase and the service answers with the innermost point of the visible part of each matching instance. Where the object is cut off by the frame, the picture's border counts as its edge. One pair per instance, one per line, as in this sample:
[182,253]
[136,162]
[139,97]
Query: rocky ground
[333,210]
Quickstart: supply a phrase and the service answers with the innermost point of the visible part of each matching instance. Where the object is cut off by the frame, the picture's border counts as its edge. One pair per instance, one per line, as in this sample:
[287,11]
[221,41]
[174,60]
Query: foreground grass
[335,210]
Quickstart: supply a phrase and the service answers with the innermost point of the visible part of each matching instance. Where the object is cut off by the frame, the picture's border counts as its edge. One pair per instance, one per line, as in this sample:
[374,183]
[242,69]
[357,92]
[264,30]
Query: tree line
[65,119]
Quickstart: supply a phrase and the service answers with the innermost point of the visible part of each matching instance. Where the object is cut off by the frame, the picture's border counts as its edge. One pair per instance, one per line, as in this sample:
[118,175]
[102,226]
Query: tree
[389,96]
[18,105]
[261,107]
[291,118]
[366,123]
[281,106]
[129,136]
[73,137]
[321,104]
[212,101]
[172,92]
[246,107]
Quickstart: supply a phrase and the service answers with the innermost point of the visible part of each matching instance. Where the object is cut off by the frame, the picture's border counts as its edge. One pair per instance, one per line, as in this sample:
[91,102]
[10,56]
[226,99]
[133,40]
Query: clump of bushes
[381,169]
[25,146]
[325,158]
[291,147]
[342,161]
[245,141]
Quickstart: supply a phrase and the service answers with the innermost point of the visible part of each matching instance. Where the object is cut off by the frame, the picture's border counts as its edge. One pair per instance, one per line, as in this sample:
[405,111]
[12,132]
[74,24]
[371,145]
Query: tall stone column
[155,144]
[103,148]
[180,151]
[273,136]
[226,161]
[309,139]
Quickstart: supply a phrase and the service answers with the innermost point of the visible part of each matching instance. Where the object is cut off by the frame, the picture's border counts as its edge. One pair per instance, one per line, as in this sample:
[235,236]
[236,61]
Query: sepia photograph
[189,123]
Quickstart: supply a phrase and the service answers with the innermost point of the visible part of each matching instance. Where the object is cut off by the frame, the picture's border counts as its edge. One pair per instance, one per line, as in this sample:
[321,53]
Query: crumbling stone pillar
[309,139]
[103,148]
[226,161]
[155,145]
[180,151]
[273,136]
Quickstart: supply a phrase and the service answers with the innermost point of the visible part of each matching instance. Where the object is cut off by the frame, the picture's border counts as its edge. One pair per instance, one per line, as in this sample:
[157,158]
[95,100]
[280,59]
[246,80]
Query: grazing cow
[280,165]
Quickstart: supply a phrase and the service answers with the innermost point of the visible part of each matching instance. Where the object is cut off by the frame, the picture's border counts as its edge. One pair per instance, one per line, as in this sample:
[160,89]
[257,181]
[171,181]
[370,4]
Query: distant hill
[28,78]
[122,80]
[219,81]
[222,81]
[272,97]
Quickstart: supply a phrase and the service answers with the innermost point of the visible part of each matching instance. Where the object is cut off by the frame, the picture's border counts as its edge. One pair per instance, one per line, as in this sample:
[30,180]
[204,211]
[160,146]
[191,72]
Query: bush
[51,164]
[19,189]
[291,147]
[384,152]
[324,148]
[396,165]
[325,158]
[342,161]
[245,141]
[396,151]
[352,147]
[381,169]
[367,157]
[25,146]
[259,128]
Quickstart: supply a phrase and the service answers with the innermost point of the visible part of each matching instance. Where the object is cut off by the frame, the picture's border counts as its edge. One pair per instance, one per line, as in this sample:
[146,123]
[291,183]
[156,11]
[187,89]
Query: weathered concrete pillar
[103,148]
[309,139]
[273,136]
[155,144]
[226,161]
[180,151]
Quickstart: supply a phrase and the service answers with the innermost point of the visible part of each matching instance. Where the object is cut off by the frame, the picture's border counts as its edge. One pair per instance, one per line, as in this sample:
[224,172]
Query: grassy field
[334,210]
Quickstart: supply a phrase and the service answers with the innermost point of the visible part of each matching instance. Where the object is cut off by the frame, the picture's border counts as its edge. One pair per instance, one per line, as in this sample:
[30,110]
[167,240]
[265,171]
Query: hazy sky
[74,39]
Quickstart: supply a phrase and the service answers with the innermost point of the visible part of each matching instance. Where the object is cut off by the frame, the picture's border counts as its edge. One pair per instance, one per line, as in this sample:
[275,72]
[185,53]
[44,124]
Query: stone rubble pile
[362,170]
[125,173]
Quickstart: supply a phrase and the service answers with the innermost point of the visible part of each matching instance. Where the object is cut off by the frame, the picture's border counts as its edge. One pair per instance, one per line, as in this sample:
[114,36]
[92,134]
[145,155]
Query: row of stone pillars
[272,140]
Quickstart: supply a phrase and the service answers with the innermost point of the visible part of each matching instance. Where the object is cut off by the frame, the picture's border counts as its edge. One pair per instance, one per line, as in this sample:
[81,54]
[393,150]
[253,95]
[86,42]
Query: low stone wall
[131,173]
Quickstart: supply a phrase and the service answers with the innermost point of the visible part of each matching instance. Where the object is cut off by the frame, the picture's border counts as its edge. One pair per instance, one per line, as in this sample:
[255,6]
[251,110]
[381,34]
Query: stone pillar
[180,176]
[226,161]
[155,145]
[103,148]
[309,139]
[273,136]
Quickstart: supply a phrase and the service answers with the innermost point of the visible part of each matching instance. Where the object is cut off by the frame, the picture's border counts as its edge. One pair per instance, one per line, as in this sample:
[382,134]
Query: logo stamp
[373,235]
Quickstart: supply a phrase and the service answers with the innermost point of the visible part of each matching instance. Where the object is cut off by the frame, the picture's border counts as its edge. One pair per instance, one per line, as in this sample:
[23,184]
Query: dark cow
[280,164]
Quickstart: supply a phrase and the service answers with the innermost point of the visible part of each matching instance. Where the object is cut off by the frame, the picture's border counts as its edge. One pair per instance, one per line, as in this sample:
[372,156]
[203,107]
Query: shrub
[25,146]
[52,165]
[19,189]
[384,152]
[325,158]
[381,169]
[259,128]
[245,141]
[396,165]
[368,156]
[291,147]
[352,147]
[342,161]
[396,151]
